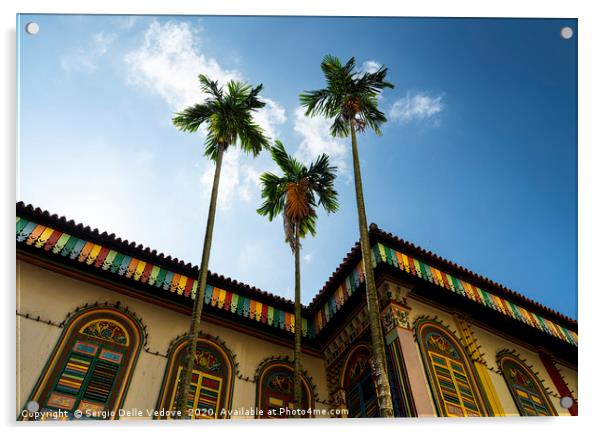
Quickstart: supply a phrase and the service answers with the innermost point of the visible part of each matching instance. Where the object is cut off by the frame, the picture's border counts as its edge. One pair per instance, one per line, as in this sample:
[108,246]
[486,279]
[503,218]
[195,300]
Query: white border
[590,216]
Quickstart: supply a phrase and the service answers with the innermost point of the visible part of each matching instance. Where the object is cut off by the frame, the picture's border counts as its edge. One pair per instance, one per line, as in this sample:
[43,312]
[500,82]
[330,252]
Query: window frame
[264,375]
[64,348]
[173,369]
[421,331]
[510,357]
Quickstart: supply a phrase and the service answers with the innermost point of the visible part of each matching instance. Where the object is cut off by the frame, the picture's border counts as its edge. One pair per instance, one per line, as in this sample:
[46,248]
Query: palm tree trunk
[195,323]
[383,389]
[298,324]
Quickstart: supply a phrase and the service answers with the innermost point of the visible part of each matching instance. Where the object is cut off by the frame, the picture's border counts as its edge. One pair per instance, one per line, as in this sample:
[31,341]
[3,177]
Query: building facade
[101,325]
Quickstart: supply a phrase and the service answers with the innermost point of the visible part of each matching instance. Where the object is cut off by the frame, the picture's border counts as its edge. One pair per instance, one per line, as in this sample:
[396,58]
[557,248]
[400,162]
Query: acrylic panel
[295,216]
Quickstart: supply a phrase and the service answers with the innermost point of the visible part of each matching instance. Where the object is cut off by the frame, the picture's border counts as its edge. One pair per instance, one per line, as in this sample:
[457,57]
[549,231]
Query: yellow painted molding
[483,372]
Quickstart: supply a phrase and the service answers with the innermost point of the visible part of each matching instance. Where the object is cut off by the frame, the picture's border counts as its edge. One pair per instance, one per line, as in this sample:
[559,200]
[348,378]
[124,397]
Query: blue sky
[478,161]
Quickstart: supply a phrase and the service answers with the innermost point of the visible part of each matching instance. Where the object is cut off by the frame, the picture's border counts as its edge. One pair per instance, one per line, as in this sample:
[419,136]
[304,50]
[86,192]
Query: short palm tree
[228,115]
[351,100]
[296,194]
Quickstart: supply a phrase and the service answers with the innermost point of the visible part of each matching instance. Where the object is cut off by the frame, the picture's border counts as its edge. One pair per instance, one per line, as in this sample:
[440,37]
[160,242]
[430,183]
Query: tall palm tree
[229,119]
[351,99]
[296,194]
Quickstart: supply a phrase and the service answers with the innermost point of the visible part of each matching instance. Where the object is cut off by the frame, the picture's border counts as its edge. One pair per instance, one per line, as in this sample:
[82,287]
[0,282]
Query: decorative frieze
[394,316]
[347,336]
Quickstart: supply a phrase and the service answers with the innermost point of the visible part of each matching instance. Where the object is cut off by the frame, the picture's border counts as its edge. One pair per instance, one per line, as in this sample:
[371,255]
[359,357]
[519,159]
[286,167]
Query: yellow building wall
[32,335]
[570,378]
[51,296]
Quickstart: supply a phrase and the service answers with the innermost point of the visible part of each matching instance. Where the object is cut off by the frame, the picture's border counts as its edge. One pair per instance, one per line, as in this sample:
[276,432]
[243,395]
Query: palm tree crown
[229,116]
[297,193]
[350,97]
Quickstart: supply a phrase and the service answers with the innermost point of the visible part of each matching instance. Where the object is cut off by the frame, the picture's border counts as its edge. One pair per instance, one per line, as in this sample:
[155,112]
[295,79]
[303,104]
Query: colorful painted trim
[335,302]
[384,254]
[403,401]
[100,257]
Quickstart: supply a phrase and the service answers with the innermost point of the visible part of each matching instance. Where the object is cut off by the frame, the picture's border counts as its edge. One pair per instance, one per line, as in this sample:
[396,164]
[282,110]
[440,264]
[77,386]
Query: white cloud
[316,139]
[169,61]
[270,117]
[370,66]
[416,106]
[239,179]
[307,258]
[85,58]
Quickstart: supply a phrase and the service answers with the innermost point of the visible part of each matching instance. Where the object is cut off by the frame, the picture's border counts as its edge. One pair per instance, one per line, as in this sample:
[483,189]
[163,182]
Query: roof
[85,247]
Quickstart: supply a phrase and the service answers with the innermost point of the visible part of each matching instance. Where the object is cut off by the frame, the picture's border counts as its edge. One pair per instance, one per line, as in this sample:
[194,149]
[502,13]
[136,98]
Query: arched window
[210,393]
[275,391]
[91,366]
[526,389]
[451,376]
[360,391]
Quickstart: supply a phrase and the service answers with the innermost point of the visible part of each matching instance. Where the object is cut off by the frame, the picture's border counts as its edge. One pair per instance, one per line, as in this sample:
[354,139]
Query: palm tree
[296,194]
[229,118]
[351,99]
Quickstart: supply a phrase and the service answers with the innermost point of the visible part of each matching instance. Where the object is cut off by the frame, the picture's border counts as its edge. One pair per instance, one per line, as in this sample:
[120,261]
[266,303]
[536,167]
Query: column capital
[395,315]
[392,290]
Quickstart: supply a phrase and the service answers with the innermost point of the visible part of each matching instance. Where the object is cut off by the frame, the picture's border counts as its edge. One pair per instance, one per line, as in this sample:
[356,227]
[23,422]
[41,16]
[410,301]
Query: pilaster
[395,318]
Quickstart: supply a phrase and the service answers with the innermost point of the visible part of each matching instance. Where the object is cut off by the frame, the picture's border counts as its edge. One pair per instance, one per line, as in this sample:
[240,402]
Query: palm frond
[253,102]
[252,139]
[340,127]
[211,87]
[322,176]
[290,166]
[273,193]
[191,118]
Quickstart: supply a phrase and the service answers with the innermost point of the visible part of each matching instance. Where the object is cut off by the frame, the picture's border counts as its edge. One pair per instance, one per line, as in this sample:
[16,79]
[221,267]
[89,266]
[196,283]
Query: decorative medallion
[359,366]
[519,377]
[207,361]
[438,343]
[281,382]
[106,330]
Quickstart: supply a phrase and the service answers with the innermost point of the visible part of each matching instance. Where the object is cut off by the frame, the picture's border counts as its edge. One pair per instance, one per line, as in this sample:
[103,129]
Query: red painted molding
[561,386]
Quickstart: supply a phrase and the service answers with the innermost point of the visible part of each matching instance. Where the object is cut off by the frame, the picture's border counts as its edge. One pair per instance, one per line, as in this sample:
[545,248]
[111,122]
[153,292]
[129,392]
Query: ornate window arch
[210,394]
[527,391]
[275,390]
[91,366]
[358,384]
[453,380]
